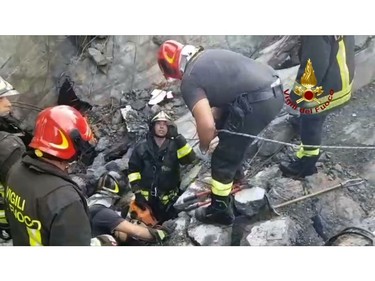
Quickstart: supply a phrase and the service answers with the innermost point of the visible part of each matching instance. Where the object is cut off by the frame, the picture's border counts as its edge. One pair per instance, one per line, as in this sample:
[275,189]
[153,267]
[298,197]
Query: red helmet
[62,132]
[169,56]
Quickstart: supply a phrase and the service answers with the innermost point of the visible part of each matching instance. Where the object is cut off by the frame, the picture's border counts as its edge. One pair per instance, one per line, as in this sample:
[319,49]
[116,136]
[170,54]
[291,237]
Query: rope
[295,145]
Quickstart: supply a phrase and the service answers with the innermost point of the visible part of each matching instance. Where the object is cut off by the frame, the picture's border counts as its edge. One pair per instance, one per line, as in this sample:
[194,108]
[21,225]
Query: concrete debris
[157,96]
[277,232]
[250,200]
[97,56]
[209,235]
[102,144]
[179,237]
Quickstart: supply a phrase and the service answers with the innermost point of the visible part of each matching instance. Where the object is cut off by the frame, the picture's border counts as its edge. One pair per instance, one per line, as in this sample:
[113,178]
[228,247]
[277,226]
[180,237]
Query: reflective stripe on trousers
[221,189]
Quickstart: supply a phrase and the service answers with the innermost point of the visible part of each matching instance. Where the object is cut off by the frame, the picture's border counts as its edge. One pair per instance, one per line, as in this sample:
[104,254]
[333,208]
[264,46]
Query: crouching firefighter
[109,218]
[245,96]
[154,167]
[44,206]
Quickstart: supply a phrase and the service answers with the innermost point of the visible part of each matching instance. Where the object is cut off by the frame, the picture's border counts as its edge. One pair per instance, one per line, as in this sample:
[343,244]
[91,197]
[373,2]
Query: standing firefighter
[154,167]
[331,60]
[245,96]
[11,149]
[43,205]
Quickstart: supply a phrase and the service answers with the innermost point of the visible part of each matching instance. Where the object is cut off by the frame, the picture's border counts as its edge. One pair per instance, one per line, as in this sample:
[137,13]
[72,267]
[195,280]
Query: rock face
[102,66]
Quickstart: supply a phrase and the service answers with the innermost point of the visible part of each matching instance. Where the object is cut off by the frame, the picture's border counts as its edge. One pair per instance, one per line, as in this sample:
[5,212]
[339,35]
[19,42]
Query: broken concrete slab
[277,232]
[250,200]
[97,56]
[209,235]
[262,178]
[179,235]
[97,168]
[102,144]
[279,130]
[190,176]
[285,189]
[187,127]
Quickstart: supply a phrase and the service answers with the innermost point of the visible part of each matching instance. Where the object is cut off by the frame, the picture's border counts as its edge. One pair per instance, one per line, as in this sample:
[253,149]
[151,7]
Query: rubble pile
[117,127]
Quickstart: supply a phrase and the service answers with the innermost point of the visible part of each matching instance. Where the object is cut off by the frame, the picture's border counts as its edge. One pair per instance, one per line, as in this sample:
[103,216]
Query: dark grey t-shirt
[223,75]
[104,220]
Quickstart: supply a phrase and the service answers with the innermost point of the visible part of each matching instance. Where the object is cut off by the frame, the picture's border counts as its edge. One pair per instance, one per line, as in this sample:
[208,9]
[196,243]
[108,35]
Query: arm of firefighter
[71,226]
[134,230]
[135,169]
[318,50]
[185,152]
[205,123]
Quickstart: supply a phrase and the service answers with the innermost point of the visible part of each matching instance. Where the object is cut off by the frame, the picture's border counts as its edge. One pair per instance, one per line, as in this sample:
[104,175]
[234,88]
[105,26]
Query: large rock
[209,235]
[249,201]
[277,232]
[336,209]
[179,236]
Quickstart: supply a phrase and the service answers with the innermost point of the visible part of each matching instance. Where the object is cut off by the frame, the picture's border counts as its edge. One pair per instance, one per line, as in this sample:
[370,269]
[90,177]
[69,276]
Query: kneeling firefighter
[154,167]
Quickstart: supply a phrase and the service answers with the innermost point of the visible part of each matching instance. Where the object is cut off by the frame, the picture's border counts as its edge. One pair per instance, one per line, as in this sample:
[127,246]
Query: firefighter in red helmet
[223,90]
[43,205]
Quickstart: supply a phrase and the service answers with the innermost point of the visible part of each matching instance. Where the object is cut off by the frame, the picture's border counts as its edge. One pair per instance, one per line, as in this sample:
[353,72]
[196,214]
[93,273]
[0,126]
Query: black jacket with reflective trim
[158,167]
[44,206]
[332,59]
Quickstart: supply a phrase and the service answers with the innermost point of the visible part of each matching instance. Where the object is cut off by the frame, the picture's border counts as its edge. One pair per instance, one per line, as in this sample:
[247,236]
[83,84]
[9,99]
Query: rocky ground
[310,222]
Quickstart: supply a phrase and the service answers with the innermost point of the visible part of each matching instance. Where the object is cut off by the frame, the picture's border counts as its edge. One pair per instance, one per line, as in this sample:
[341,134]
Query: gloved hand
[103,240]
[162,232]
[140,200]
[172,131]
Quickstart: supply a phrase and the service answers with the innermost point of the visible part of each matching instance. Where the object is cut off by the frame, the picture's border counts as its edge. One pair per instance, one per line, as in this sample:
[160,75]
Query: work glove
[103,240]
[140,200]
[162,232]
[172,131]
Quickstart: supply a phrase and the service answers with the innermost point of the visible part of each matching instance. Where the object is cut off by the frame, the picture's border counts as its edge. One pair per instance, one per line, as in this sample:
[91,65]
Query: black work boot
[219,212]
[300,167]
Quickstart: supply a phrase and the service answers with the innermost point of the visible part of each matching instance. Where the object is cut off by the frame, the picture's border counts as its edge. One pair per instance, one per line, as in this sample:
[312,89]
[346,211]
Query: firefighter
[7,122]
[11,148]
[223,90]
[332,60]
[109,218]
[44,206]
[154,167]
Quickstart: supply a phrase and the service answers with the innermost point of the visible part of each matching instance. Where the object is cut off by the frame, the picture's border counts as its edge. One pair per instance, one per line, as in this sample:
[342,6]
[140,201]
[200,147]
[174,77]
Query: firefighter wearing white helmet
[11,148]
[6,90]
[154,166]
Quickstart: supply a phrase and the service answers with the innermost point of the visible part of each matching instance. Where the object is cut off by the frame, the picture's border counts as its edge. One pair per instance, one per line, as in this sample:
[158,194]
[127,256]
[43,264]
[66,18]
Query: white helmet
[6,89]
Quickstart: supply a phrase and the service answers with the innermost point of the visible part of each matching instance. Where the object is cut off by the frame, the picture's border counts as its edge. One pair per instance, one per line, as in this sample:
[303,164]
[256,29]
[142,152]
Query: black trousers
[311,128]
[229,154]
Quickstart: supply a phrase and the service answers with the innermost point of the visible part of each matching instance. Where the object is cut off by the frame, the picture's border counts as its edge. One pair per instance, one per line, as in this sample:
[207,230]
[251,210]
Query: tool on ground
[314,194]
[185,206]
[144,216]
